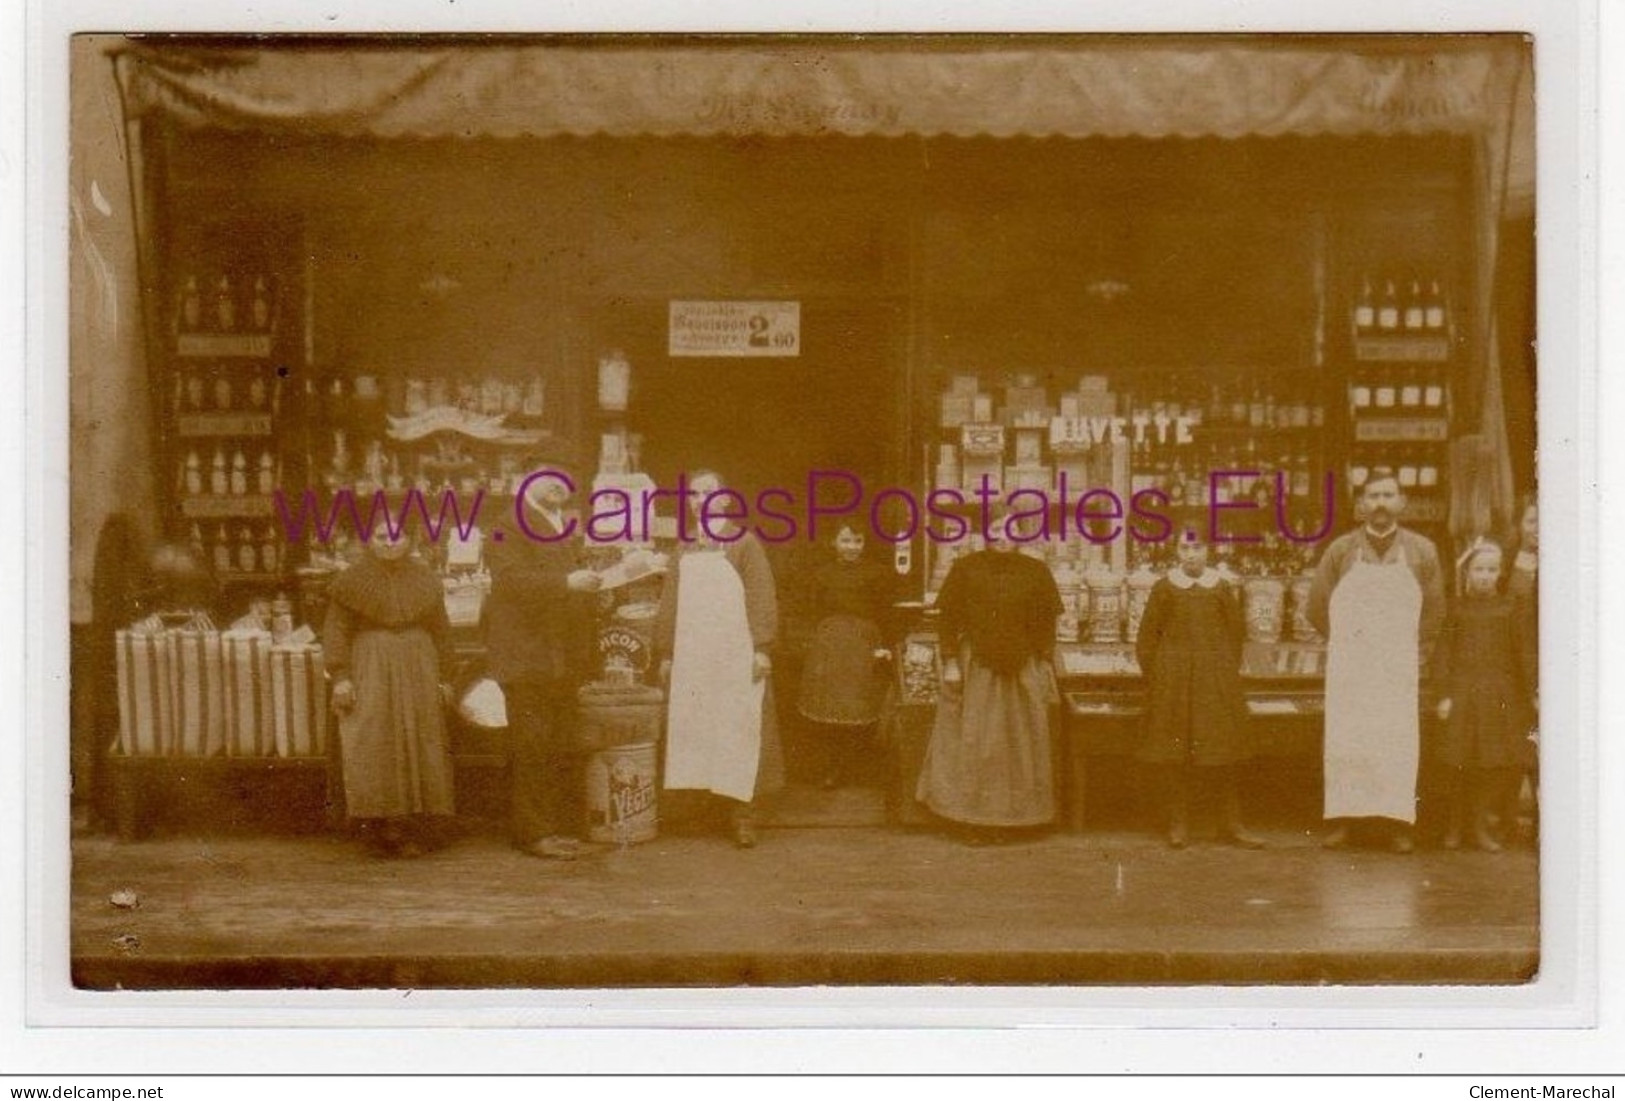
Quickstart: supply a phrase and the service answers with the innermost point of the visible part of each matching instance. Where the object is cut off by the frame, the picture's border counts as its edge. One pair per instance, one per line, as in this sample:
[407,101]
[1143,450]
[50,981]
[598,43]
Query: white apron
[714,724]
[1373,731]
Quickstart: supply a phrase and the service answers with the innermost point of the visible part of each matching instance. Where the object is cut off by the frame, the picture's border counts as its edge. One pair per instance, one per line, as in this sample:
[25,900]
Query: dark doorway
[767,424]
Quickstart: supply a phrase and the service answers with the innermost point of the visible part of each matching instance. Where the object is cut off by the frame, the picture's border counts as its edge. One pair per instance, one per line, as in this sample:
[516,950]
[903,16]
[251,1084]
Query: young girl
[841,688]
[1484,666]
[385,643]
[1189,649]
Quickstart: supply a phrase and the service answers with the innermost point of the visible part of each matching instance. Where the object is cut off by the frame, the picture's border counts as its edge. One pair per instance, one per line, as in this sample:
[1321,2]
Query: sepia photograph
[644,511]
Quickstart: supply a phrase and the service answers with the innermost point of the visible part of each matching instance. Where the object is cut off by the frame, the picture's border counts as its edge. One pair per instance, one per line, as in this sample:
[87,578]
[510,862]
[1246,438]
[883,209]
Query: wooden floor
[867,905]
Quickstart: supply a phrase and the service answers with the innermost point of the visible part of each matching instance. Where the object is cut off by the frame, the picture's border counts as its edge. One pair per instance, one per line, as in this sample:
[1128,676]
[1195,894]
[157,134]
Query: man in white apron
[716,627]
[1378,599]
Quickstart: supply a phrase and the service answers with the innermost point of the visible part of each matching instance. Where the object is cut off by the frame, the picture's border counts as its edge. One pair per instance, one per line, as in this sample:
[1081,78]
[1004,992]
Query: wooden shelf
[223,345]
[227,506]
[1402,349]
[1402,430]
[223,424]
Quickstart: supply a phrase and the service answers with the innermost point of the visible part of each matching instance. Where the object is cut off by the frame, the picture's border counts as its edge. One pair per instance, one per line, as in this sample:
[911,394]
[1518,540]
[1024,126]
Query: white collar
[1182,580]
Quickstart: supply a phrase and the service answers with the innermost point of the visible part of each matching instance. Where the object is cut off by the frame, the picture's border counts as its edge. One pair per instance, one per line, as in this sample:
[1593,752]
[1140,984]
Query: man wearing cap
[1378,600]
[538,630]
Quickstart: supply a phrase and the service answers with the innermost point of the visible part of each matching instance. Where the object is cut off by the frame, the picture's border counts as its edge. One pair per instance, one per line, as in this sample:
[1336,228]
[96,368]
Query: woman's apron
[714,724]
[1373,730]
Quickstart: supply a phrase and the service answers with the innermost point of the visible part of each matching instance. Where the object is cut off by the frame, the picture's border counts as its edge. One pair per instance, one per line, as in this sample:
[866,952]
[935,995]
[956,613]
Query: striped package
[298,701]
[146,693]
[246,660]
[199,693]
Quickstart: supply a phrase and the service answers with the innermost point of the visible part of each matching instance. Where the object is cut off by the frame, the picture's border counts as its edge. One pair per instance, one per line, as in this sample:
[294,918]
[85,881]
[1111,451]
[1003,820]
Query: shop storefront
[1232,275]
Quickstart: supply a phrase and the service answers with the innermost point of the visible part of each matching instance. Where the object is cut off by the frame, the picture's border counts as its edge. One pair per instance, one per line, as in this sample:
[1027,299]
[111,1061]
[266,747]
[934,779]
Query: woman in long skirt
[989,763]
[385,643]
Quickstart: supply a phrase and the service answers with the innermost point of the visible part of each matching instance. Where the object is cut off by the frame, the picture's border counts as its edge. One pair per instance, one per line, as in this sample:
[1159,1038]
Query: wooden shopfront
[1017,234]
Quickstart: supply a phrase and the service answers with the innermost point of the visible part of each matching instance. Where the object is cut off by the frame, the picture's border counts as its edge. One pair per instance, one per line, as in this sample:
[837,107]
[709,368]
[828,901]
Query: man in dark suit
[539,647]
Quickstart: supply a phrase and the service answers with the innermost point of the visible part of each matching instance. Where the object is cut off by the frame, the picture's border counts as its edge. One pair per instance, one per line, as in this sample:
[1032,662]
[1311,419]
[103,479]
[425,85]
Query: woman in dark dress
[1485,665]
[988,763]
[385,646]
[842,686]
[1189,649]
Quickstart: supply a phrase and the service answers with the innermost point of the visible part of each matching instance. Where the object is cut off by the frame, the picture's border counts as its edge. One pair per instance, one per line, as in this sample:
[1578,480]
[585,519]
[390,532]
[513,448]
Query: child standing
[1189,649]
[385,642]
[1485,671]
[841,689]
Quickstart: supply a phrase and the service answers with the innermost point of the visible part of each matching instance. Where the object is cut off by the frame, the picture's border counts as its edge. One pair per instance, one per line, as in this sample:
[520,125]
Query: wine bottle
[219,480]
[260,310]
[1414,310]
[1388,309]
[222,550]
[247,550]
[1365,312]
[239,473]
[191,306]
[1434,312]
[225,306]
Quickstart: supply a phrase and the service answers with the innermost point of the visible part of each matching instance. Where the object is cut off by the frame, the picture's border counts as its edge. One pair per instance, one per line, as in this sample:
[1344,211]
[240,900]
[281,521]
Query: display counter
[1102,703]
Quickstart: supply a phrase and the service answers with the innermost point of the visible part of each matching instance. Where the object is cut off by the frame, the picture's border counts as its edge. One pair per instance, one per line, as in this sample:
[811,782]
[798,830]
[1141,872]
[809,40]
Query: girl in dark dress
[1189,649]
[842,685]
[1485,668]
[385,645]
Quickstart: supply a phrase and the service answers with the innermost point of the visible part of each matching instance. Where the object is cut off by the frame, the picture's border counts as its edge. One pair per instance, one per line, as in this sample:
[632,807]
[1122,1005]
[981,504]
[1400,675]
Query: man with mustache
[1378,600]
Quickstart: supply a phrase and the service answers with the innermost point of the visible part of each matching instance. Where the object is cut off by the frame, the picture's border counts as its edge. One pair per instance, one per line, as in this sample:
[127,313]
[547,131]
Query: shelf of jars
[226,411]
[1117,478]
[1402,333]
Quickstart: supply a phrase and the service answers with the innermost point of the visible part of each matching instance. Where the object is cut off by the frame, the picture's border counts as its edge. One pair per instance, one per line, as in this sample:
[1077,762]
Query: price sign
[734,328]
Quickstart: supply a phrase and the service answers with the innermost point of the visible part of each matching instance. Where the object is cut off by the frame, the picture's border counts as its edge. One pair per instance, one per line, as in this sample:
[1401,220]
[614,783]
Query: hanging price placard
[730,328]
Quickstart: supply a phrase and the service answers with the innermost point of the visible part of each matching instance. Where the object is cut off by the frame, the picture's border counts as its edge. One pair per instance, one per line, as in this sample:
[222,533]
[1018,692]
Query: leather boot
[1484,785]
[1230,827]
[1455,811]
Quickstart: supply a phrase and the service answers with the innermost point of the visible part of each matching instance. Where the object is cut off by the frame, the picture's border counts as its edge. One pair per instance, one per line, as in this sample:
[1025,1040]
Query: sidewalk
[809,906]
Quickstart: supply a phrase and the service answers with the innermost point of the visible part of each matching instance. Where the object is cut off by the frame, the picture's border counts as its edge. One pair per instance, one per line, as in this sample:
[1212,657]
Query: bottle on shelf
[195,542]
[222,550]
[1360,397]
[1427,474]
[194,474]
[1388,309]
[1414,308]
[225,305]
[1433,311]
[260,309]
[197,388]
[1410,392]
[191,306]
[265,481]
[1406,471]
[1384,395]
[1433,396]
[1365,310]
[219,480]
[239,473]
[247,549]
[257,393]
